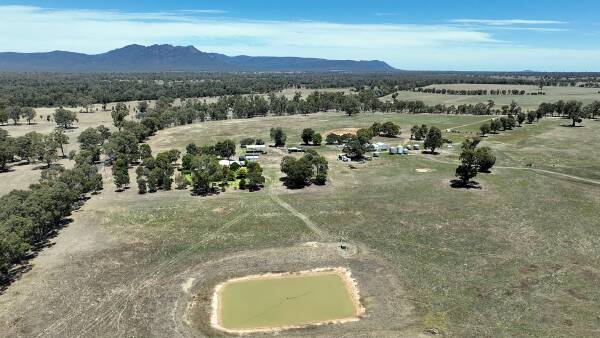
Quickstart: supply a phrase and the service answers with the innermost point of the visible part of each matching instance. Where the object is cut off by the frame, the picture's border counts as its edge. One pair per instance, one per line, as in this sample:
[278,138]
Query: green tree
[90,139]
[124,143]
[434,139]
[332,138]
[225,149]
[61,139]
[485,128]
[531,116]
[141,173]
[351,105]
[3,116]
[28,114]
[181,182]
[242,184]
[521,118]
[496,125]
[145,151]
[120,171]
[423,132]
[278,136]
[65,118]
[13,113]
[298,171]
[97,184]
[468,167]
[317,139]
[390,129]
[104,132]
[485,159]
[573,110]
[47,150]
[12,242]
[205,170]
[357,146]
[414,132]
[153,178]
[365,134]
[320,165]
[119,114]
[511,122]
[246,141]
[7,151]
[307,135]
[255,176]
[376,128]
[27,146]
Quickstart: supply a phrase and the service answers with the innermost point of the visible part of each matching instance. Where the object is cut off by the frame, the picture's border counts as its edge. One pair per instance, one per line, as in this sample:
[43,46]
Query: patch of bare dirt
[342,131]
[388,311]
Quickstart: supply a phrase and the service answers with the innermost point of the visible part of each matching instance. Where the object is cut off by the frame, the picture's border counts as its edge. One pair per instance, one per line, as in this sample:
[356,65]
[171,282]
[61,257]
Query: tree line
[476,92]
[29,217]
[63,118]
[32,147]
[71,90]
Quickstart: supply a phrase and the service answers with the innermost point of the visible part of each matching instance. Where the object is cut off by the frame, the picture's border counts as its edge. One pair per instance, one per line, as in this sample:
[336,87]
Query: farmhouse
[380,146]
[228,162]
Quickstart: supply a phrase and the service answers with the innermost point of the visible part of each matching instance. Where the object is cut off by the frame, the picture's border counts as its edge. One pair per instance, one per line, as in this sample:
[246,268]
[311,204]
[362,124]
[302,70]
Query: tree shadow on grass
[293,185]
[458,184]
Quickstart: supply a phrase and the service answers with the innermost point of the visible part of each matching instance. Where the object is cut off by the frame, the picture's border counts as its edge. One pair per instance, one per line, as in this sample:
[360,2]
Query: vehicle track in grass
[111,308]
[543,171]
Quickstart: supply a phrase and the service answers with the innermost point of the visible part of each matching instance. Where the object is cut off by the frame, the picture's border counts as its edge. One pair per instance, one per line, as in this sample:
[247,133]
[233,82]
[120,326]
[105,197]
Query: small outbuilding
[343,158]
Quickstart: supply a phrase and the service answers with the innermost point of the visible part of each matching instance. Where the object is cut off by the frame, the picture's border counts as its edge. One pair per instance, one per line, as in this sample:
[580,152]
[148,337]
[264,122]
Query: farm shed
[249,158]
[295,150]
[260,147]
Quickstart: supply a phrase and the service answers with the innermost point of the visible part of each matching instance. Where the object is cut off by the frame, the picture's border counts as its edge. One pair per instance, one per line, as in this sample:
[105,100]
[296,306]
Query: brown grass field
[518,257]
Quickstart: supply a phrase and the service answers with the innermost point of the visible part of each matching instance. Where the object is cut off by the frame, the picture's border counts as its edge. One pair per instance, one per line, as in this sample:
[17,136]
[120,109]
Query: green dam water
[284,301]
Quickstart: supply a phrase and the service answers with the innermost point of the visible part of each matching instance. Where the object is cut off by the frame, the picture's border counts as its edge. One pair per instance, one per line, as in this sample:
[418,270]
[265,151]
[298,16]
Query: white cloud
[37,29]
[509,22]
[407,46]
[202,11]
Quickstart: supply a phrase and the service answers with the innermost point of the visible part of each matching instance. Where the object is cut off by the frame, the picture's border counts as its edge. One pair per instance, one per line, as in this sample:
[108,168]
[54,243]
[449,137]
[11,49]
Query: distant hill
[167,58]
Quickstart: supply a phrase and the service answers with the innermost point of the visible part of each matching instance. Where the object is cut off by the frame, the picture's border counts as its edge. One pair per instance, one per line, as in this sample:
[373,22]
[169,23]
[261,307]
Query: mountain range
[168,58]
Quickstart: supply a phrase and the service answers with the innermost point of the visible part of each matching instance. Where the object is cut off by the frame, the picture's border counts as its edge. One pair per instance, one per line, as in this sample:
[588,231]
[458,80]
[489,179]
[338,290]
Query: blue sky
[417,35]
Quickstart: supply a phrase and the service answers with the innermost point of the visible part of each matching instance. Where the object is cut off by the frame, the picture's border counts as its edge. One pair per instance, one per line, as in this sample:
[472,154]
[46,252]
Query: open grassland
[528,102]
[236,130]
[518,257]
